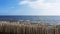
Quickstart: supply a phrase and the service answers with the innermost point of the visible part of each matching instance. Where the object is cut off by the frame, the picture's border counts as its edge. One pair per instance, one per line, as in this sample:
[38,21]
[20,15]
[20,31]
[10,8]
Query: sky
[29,7]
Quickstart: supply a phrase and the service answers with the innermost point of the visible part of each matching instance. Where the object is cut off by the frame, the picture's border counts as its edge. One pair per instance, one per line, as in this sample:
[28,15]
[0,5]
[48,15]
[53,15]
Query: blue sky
[29,7]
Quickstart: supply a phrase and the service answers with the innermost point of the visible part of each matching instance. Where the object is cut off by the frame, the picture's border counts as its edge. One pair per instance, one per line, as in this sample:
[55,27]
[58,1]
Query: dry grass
[27,28]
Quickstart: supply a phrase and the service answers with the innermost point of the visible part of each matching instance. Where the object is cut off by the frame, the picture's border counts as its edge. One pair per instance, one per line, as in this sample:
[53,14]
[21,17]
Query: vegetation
[27,28]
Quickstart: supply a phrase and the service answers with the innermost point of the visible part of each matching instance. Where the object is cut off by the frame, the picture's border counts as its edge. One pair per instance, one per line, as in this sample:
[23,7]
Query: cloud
[32,4]
[44,7]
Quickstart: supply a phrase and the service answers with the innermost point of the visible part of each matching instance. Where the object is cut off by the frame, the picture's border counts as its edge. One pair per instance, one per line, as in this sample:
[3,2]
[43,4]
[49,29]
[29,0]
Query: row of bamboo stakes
[27,28]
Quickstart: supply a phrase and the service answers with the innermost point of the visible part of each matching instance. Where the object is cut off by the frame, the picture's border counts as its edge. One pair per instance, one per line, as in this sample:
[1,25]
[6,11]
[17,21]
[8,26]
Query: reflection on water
[33,19]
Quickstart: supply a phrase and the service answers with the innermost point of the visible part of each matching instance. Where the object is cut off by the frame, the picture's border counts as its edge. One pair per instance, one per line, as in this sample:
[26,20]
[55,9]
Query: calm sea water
[43,19]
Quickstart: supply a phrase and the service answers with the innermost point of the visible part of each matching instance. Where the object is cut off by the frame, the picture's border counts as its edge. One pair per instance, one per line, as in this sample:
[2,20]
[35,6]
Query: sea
[34,19]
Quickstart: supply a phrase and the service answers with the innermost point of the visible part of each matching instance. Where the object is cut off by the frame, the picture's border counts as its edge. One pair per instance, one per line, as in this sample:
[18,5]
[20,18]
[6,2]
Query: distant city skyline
[29,7]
